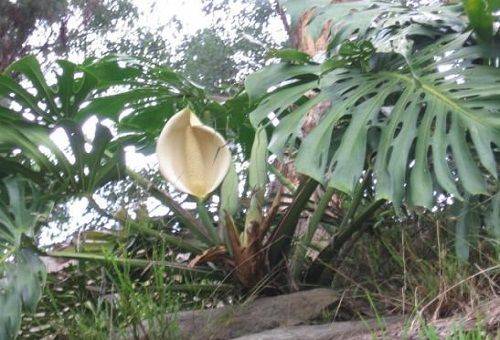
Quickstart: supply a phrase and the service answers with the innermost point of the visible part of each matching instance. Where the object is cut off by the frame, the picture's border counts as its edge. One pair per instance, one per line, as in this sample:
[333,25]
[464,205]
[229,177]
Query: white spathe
[192,156]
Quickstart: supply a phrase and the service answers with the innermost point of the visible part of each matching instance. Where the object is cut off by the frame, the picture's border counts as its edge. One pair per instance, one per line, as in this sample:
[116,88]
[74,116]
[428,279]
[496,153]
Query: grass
[479,332]
[411,269]
[89,301]
[123,306]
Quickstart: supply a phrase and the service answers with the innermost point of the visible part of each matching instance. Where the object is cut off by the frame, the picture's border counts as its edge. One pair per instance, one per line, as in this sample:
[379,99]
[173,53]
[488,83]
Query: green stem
[207,221]
[283,180]
[327,255]
[318,213]
[281,238]
[140,228]
[357,226]
[124,261]
[355,202]
[194,225]
[305,242]
[358,223]
[173,240]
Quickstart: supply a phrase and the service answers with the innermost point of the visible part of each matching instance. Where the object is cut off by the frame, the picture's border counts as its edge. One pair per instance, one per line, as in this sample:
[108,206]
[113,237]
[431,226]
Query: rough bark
[303,41]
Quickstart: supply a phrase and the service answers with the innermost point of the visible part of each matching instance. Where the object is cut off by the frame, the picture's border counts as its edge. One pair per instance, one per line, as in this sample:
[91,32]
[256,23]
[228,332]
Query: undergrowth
[94,301]
[410,269]
[405,268]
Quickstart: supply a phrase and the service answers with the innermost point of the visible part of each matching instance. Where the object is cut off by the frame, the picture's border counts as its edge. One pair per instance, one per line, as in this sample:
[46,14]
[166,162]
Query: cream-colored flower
[192,156]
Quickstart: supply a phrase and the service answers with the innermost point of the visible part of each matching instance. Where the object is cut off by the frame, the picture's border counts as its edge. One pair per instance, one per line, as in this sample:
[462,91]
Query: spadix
[192,156]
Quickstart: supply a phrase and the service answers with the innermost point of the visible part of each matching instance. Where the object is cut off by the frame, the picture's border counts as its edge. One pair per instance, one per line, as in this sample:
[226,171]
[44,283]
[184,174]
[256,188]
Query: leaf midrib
[433,90]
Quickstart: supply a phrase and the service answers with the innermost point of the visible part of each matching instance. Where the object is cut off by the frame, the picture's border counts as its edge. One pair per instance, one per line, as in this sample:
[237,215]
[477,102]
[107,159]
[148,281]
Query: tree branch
[283,18]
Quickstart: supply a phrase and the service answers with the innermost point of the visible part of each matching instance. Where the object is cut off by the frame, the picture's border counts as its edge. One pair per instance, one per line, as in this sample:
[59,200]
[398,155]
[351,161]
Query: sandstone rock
[335,330]
[255,316]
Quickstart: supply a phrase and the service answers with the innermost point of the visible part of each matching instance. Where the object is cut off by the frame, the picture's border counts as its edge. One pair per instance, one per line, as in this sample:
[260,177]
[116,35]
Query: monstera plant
[408,94]
[37,171]
[425,106]
[401,105]
[22,274]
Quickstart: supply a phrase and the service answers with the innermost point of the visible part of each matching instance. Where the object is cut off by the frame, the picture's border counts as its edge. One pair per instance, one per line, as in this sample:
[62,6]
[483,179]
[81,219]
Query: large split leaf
[74,170]
[115,88]
[32,108]
[50,103]
[22,274]
[138,97]
[427,112]
[21,286]
[21,210]
[142,110]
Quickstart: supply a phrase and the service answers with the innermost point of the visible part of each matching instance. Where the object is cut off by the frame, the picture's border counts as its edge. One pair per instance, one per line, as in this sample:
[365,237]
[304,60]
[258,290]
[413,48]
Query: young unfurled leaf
[229,192]
[257,179]
[254,214]
[257,173]
[492,219]
[466,230]
[480,13]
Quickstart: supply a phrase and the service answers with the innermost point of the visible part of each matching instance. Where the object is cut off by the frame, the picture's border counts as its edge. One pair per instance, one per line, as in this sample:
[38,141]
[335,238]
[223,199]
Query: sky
[155,13]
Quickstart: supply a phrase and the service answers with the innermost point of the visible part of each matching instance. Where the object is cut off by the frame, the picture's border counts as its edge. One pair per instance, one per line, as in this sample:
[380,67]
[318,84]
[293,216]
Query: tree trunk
[301,39]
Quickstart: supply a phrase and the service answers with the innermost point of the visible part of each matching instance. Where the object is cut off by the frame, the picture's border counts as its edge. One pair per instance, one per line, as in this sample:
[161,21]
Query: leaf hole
[398,129]
[447,123]
[433,125]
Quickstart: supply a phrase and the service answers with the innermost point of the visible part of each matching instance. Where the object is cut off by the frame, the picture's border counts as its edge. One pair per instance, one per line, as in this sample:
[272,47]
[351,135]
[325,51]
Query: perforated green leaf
[89,169]
[51,103]
[21,209]
[366,18]
[21,285]
[435,110]
[22,274]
